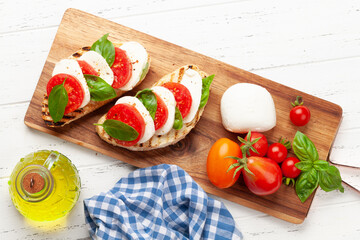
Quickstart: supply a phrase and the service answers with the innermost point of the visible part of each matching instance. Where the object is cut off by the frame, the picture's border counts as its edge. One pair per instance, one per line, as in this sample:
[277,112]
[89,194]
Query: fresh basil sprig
[314,172]
[119,130]
[205,92]
[105,47]
[58,99]
[148,98]
[98,88]
[178,123]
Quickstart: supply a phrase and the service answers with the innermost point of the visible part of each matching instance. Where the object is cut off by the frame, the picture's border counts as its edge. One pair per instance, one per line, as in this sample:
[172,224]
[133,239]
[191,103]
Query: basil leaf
[304,166]
[119,130]
[321,165]
[306,184]
[148,98]
[205,92]
[178,123]
[330,179]
[304,148]
[105,47]
[144,71]
[58,99]
[99,89]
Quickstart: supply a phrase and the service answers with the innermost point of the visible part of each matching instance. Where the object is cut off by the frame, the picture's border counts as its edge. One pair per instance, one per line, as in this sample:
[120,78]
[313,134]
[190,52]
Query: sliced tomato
[87,68]
[122,68]
[128,114]
[161,114]
[73,88]
[182,97]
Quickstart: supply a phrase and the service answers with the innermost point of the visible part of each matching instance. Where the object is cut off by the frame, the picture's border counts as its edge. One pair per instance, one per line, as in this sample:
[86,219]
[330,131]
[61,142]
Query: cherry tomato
[217,165]
[277,152]
[161,114]
[73,88]
[122,68]
[182,97]
[128,114]
[299,115]
[266,178]
[289,169]
[87,68]
[261,145]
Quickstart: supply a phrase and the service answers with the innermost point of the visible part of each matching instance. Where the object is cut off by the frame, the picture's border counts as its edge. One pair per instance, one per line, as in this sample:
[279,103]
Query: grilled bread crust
[172,137]
[90,107]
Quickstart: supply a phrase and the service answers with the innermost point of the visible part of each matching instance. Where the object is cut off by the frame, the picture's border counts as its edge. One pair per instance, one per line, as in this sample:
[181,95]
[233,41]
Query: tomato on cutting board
[122,68]
[161,114]
[73,88]
[128,114]
[254,140]
[182,97]
[87,68]
[299,114]
[289,169]
[217,165]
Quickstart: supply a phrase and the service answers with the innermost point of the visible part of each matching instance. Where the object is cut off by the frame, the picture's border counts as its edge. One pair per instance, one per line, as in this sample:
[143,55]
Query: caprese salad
[91,77]
[160,115]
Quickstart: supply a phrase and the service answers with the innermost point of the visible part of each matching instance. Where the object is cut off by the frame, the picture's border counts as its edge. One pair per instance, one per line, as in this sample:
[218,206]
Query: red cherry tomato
[161,114]
[182,97]
[266,178]
[217,165]
[299,115]
[261,145]
[122,68]
[289,169]
[87,68]
[128,114]
[73,88]
[277,152]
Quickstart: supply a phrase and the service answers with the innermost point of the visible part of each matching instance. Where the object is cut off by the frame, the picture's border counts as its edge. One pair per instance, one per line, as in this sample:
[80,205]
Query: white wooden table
[313,46]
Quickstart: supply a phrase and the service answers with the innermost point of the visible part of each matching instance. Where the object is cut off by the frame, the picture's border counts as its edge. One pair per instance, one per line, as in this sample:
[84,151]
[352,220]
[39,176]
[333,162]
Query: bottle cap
[33,182]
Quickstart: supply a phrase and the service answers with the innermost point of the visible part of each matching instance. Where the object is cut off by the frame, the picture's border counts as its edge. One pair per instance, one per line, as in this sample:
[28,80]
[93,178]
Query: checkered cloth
[160,202]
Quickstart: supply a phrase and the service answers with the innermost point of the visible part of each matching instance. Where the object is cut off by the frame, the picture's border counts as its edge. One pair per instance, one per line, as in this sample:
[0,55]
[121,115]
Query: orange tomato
[217,165]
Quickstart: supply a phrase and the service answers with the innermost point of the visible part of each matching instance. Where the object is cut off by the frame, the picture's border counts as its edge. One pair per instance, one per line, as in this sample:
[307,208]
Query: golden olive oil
[44,186]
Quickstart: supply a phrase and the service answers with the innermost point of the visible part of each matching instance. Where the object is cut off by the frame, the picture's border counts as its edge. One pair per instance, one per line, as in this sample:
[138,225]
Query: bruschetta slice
[181,99]
[93,72]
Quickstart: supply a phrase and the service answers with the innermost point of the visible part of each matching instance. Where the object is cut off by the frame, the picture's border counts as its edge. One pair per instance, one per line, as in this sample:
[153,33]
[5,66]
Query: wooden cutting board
[78,29]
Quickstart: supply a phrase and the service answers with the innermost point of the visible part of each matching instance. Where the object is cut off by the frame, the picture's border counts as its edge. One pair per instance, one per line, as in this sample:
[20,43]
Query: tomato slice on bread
[122,68]
[182,97]
[161,114]
[73,88]
[128,114]
[87,68]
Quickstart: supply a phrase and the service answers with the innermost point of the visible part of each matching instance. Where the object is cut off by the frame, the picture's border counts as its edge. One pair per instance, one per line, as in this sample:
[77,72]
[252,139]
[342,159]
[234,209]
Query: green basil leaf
[58,99]
[306,184]
[105,47]
[119,130]
[148,98]
[321,165]
[144,71]
[330,179]
[205,92]
[304,166]
[99,89]
[178,123]
[304,148]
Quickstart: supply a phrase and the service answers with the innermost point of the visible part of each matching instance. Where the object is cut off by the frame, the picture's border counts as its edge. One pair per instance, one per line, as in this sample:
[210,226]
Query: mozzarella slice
[138,57]
[71,67]
[169,100]
[100,65]
[246,107]
[193,82]
[149,123]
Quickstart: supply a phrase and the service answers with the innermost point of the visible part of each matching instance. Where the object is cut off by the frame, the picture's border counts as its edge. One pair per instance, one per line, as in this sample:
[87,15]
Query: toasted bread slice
[172,137]
[90,107]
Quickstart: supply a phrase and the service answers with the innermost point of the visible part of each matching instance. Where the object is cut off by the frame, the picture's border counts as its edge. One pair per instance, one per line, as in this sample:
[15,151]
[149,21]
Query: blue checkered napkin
[160,202]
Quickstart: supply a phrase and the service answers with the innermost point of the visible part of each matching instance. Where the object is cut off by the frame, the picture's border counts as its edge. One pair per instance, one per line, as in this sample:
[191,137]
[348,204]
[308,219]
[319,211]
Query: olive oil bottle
[44,186]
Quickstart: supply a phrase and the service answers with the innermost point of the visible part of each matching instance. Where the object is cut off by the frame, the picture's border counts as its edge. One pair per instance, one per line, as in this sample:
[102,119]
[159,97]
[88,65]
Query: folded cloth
[160,202]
